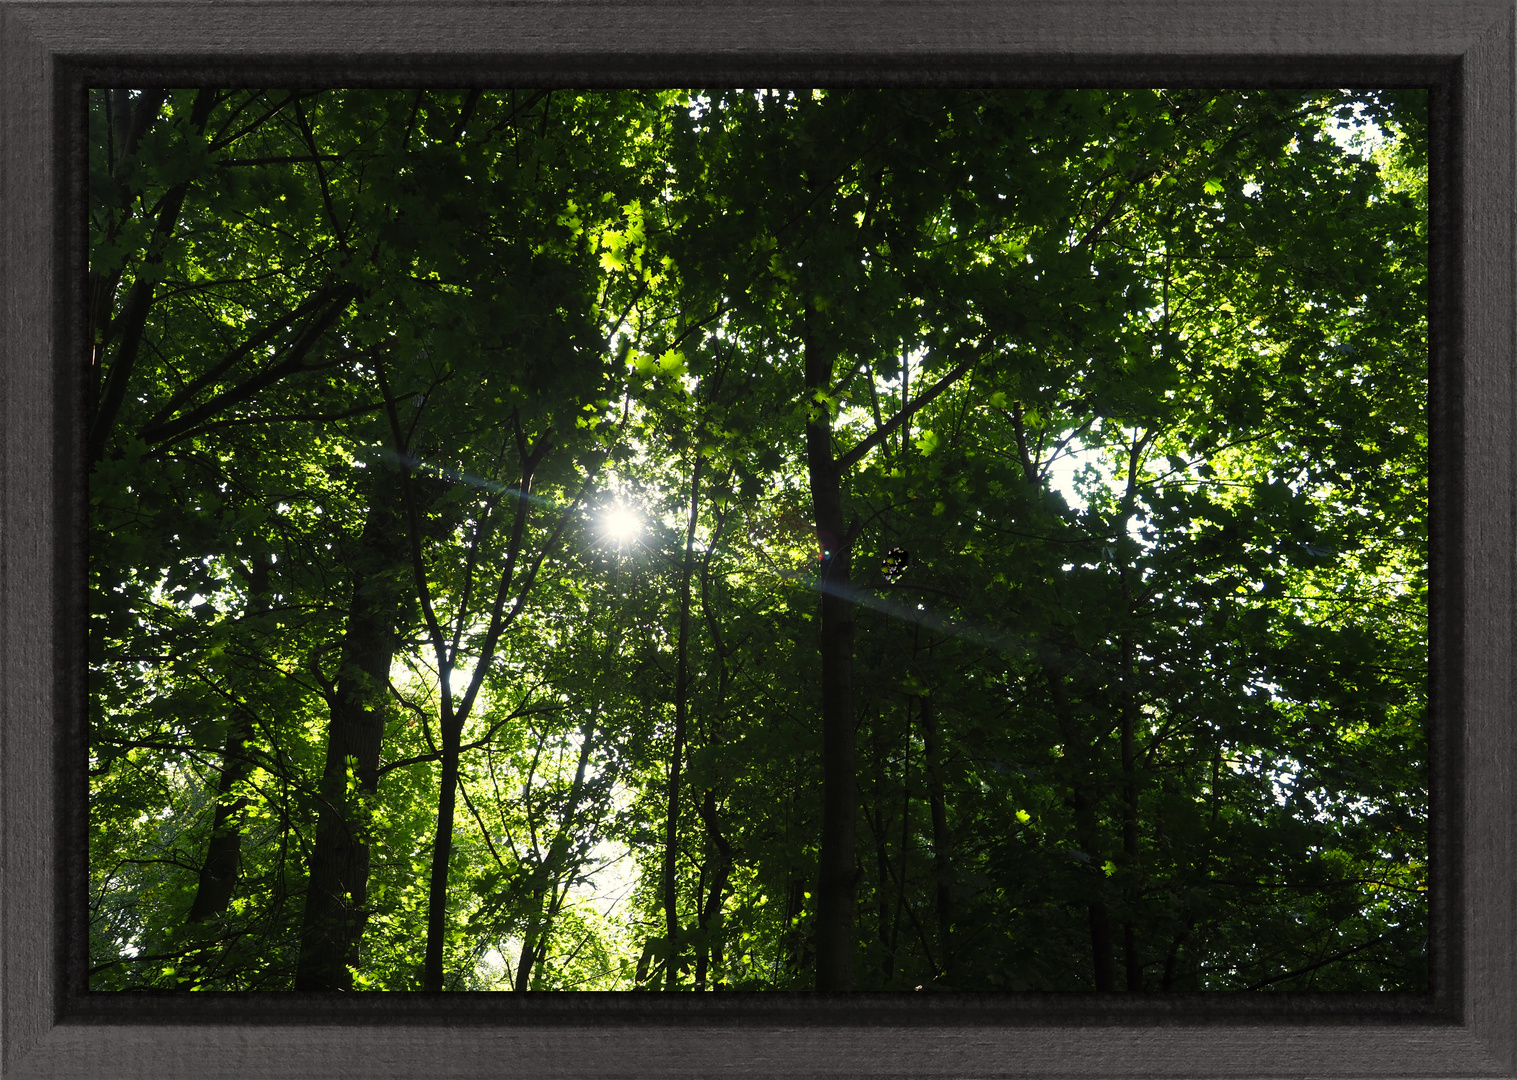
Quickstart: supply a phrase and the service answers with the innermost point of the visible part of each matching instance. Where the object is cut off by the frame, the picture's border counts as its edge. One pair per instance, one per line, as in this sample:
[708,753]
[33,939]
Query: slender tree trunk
[711,909]
[711,921]
[1129,722]
[882,864]
[941,867]
[339,863]
[223,856]
[795,938]
[1171,960]
[900,893]
[1130,817]
[442,852]
[1086,830]
[681,719]
[836,876]
[139,299]
[534,942]
[453,717]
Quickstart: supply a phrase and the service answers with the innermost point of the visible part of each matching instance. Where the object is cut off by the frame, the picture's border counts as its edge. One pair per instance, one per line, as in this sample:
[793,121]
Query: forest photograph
[757,540]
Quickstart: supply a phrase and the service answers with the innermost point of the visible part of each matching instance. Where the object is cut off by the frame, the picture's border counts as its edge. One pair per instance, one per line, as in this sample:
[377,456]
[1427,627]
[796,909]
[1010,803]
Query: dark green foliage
[1125,396]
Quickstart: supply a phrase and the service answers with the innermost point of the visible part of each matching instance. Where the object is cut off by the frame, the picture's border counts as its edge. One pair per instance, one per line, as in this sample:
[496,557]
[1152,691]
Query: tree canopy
[744,540]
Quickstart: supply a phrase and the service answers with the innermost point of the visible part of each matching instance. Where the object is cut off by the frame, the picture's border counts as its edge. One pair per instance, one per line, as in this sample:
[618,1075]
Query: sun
[620,523]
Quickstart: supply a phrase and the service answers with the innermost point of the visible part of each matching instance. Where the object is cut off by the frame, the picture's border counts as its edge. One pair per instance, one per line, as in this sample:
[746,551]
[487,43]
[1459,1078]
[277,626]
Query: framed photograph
[679,539]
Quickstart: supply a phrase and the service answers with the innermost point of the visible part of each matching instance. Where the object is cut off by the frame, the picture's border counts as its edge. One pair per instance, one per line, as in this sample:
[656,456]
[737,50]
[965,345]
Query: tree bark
[339,863]
[1130,817]
[139,299]
[711,909]
[1086,830]
[795,951]
[223,857]
[941,867]
[836,876]
[1129,722]
[681,719]
[882,864]
[451,717]
[442,851]
[534,941]
[126,124]
[1083,797]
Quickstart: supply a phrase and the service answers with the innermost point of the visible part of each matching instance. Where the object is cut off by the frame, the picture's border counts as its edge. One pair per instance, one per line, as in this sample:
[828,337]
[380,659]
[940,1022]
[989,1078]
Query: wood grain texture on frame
[51,51]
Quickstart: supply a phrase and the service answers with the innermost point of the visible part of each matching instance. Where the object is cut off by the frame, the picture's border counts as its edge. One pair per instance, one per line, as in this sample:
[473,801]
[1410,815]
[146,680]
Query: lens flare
[620,523]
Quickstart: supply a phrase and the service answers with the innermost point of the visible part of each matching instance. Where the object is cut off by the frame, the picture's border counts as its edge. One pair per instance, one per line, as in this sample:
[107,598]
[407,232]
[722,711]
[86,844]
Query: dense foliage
[758,540]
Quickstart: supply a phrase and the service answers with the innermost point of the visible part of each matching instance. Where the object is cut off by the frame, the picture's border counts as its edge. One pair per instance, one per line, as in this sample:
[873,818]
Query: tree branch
[294,364]
[880,434]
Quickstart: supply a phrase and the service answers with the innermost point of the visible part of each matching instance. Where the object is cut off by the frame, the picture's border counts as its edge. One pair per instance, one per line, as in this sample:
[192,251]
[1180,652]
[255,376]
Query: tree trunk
[941,868]
[529,945]
[836,877]
[1086,830]
[452,718]
[905,844]
[139,299]
[1081,795]
[1128,719]
[711,912]
[681,719]
[1100,944]
[1170,960]
[533,942]
[442,850]
[339,861]
[223,855]
[882,864]
[1130,818]
[710,918]
[218,874]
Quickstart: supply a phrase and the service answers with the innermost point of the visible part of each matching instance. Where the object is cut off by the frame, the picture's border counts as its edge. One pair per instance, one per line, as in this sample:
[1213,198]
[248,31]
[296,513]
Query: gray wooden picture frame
[51,50]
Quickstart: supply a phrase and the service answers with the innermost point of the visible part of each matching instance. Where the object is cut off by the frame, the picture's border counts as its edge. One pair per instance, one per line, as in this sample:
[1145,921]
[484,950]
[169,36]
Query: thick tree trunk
[339,863]
[1100,944]
[223,855]
[529,945]
[941,867]
[836,875]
